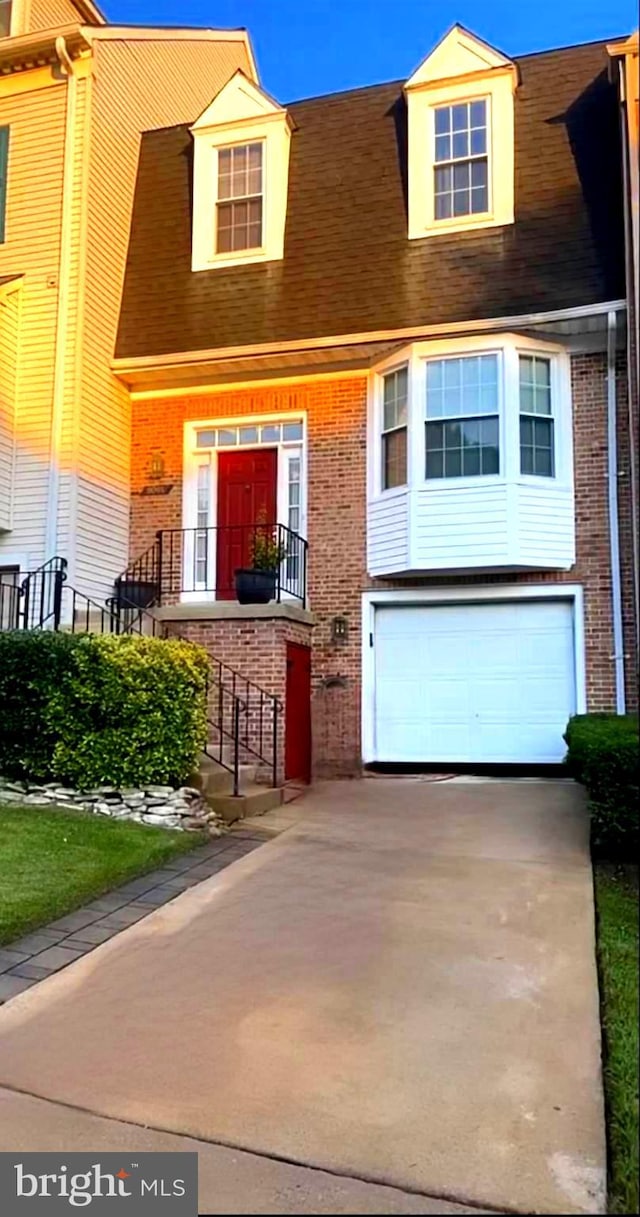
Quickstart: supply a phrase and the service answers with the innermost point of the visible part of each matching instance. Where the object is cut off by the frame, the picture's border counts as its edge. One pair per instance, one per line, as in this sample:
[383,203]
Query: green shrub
[32,664]
[101,709]
[603,754]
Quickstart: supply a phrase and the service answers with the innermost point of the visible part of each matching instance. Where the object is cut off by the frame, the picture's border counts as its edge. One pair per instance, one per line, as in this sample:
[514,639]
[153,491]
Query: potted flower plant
[257,584]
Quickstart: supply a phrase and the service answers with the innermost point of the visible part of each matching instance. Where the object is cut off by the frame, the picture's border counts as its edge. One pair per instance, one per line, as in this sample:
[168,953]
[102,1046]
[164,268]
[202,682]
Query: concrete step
[252,801]
[212,778]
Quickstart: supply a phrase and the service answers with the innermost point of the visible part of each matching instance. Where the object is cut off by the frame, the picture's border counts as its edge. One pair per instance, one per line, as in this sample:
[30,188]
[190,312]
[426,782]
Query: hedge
[89,710]
[603,754]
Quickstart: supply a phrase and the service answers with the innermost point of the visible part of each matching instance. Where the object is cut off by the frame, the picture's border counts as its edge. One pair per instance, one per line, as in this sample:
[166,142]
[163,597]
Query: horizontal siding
[32,246]
[71,402]
[388,533]
[462,527]
[138,86]
[546,525]
[47,14]
[9,327]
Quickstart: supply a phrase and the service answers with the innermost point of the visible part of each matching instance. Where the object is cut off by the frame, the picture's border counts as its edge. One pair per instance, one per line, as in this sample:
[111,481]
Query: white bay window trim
[507,520]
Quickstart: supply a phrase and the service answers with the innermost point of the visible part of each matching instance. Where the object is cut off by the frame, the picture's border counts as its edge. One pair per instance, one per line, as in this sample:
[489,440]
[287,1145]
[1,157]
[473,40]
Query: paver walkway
[35,956]
[399,989]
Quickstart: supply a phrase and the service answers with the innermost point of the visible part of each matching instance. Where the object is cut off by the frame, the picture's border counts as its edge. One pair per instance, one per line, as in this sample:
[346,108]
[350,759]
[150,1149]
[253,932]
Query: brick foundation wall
[336,430]
[256,647]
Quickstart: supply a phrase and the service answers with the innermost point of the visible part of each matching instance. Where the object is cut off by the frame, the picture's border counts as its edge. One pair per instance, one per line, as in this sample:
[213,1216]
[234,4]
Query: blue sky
[306,47]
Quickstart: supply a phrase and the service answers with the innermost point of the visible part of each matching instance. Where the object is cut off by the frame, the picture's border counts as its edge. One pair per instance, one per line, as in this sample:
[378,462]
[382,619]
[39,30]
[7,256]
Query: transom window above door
[250,434]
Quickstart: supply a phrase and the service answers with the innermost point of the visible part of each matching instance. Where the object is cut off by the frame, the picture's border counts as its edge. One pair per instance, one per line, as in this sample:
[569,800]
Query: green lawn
[53,861]
[617,916]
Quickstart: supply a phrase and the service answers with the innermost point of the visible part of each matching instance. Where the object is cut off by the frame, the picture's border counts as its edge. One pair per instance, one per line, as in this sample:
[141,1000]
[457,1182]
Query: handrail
[41,594]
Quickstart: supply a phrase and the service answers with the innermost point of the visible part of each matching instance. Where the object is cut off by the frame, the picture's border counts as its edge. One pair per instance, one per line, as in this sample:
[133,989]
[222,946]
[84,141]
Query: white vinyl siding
[9,327]
[32,247]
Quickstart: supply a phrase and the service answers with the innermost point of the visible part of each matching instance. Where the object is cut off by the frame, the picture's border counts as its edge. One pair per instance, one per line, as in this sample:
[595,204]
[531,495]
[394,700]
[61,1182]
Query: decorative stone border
[184,809]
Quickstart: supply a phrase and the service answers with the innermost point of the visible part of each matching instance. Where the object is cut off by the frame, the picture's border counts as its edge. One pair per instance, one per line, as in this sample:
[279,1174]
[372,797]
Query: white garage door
[487,683]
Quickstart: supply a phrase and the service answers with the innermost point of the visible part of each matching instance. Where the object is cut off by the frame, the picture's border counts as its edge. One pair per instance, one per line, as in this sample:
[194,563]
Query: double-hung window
[461,169]
[394,429]
[462,417]
[239,205]
[536,420]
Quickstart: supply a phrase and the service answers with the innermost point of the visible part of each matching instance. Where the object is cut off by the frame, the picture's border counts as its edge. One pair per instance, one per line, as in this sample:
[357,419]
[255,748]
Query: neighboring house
[75,95]
[391,321]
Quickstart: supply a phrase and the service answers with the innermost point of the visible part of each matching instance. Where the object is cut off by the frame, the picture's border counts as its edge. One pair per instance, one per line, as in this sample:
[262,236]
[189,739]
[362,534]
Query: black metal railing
[41,596]
[244,715]
[204,561]
[10,600]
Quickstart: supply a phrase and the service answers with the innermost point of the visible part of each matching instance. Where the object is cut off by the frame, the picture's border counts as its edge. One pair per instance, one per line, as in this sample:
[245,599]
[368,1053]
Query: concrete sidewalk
[399,989]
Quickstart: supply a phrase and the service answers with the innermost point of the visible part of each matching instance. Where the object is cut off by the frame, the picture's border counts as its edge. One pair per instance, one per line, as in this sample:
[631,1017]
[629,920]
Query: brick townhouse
[386,331]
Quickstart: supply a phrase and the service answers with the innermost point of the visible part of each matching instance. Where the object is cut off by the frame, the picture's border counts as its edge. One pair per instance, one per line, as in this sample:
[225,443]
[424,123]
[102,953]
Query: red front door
[247,484]
[297,744]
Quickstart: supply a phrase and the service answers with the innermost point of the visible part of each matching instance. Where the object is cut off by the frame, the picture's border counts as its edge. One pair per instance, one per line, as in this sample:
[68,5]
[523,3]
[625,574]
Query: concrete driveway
[399,990]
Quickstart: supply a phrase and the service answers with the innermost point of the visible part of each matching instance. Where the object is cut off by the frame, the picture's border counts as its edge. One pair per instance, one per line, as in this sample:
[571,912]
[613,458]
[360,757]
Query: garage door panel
[485,683]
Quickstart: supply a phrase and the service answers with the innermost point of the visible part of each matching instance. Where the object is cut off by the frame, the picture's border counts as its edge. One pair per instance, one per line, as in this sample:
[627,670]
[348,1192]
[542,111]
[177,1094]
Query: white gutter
[62,326]
[614,532]
[633,297]
[123,364]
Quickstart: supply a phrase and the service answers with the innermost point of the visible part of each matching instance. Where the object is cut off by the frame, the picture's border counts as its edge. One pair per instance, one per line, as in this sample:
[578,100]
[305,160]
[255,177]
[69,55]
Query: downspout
[632,355]
[614,532]
[62,326]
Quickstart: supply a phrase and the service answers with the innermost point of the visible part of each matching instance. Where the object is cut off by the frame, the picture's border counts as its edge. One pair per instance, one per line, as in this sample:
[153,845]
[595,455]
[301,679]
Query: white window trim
[462,595]
[497,90]
[508,347]
[273,132]
[194,457]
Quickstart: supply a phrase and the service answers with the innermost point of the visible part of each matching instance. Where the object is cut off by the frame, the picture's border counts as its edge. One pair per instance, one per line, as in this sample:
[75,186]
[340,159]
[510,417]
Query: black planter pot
[255,586]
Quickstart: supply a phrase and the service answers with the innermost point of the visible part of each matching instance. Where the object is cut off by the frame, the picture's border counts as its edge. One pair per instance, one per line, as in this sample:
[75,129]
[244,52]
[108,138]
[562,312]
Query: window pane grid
[461,171]
[394,428]
[468,448]
[239,205]
[537,457]
[255,435]
[462,410]
[202,524]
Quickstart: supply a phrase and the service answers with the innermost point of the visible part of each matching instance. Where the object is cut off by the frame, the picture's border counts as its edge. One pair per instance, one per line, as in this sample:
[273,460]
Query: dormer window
[240,178]
[460,113]
[239,204]
[461,171]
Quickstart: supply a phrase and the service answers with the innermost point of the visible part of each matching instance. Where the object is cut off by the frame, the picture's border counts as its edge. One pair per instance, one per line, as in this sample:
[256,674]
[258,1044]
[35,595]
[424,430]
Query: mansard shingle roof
[348,266]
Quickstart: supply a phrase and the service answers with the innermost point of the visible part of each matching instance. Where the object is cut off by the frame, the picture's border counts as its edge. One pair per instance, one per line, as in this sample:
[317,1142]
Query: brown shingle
[348,266]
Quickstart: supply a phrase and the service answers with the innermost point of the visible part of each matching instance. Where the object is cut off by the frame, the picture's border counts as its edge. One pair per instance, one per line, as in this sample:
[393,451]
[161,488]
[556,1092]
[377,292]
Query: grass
[54,861]
[617,920]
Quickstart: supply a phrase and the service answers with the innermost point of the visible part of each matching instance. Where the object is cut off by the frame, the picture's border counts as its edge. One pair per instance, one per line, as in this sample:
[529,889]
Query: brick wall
[336,417]
[256,647]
